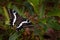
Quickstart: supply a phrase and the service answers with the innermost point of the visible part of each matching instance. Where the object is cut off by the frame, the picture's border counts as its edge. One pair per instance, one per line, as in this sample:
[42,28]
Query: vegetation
[44,15]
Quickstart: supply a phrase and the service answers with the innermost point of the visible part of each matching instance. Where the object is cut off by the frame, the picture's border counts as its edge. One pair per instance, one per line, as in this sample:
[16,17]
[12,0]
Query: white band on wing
[14,20]
[22,23]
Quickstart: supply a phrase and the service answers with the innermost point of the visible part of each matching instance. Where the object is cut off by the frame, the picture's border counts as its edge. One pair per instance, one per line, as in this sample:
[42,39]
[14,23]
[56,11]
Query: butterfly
[16,19]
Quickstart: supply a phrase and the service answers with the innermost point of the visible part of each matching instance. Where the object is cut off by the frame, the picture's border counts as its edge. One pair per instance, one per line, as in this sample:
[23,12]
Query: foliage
[42,13]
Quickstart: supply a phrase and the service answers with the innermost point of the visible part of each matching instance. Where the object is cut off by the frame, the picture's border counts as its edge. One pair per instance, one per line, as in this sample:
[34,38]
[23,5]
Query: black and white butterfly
[16,19]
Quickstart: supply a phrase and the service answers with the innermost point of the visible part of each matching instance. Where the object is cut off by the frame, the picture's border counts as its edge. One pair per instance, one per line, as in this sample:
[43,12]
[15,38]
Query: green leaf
[43,20]
[14,36]
[44,26]
[29,7]
[7,20]
[9,5]
[35,4]
[1,10]
[55,12]
[42,11]
[53,24]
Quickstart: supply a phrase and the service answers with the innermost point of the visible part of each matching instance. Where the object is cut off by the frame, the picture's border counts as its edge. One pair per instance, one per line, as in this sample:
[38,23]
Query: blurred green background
[44,14]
